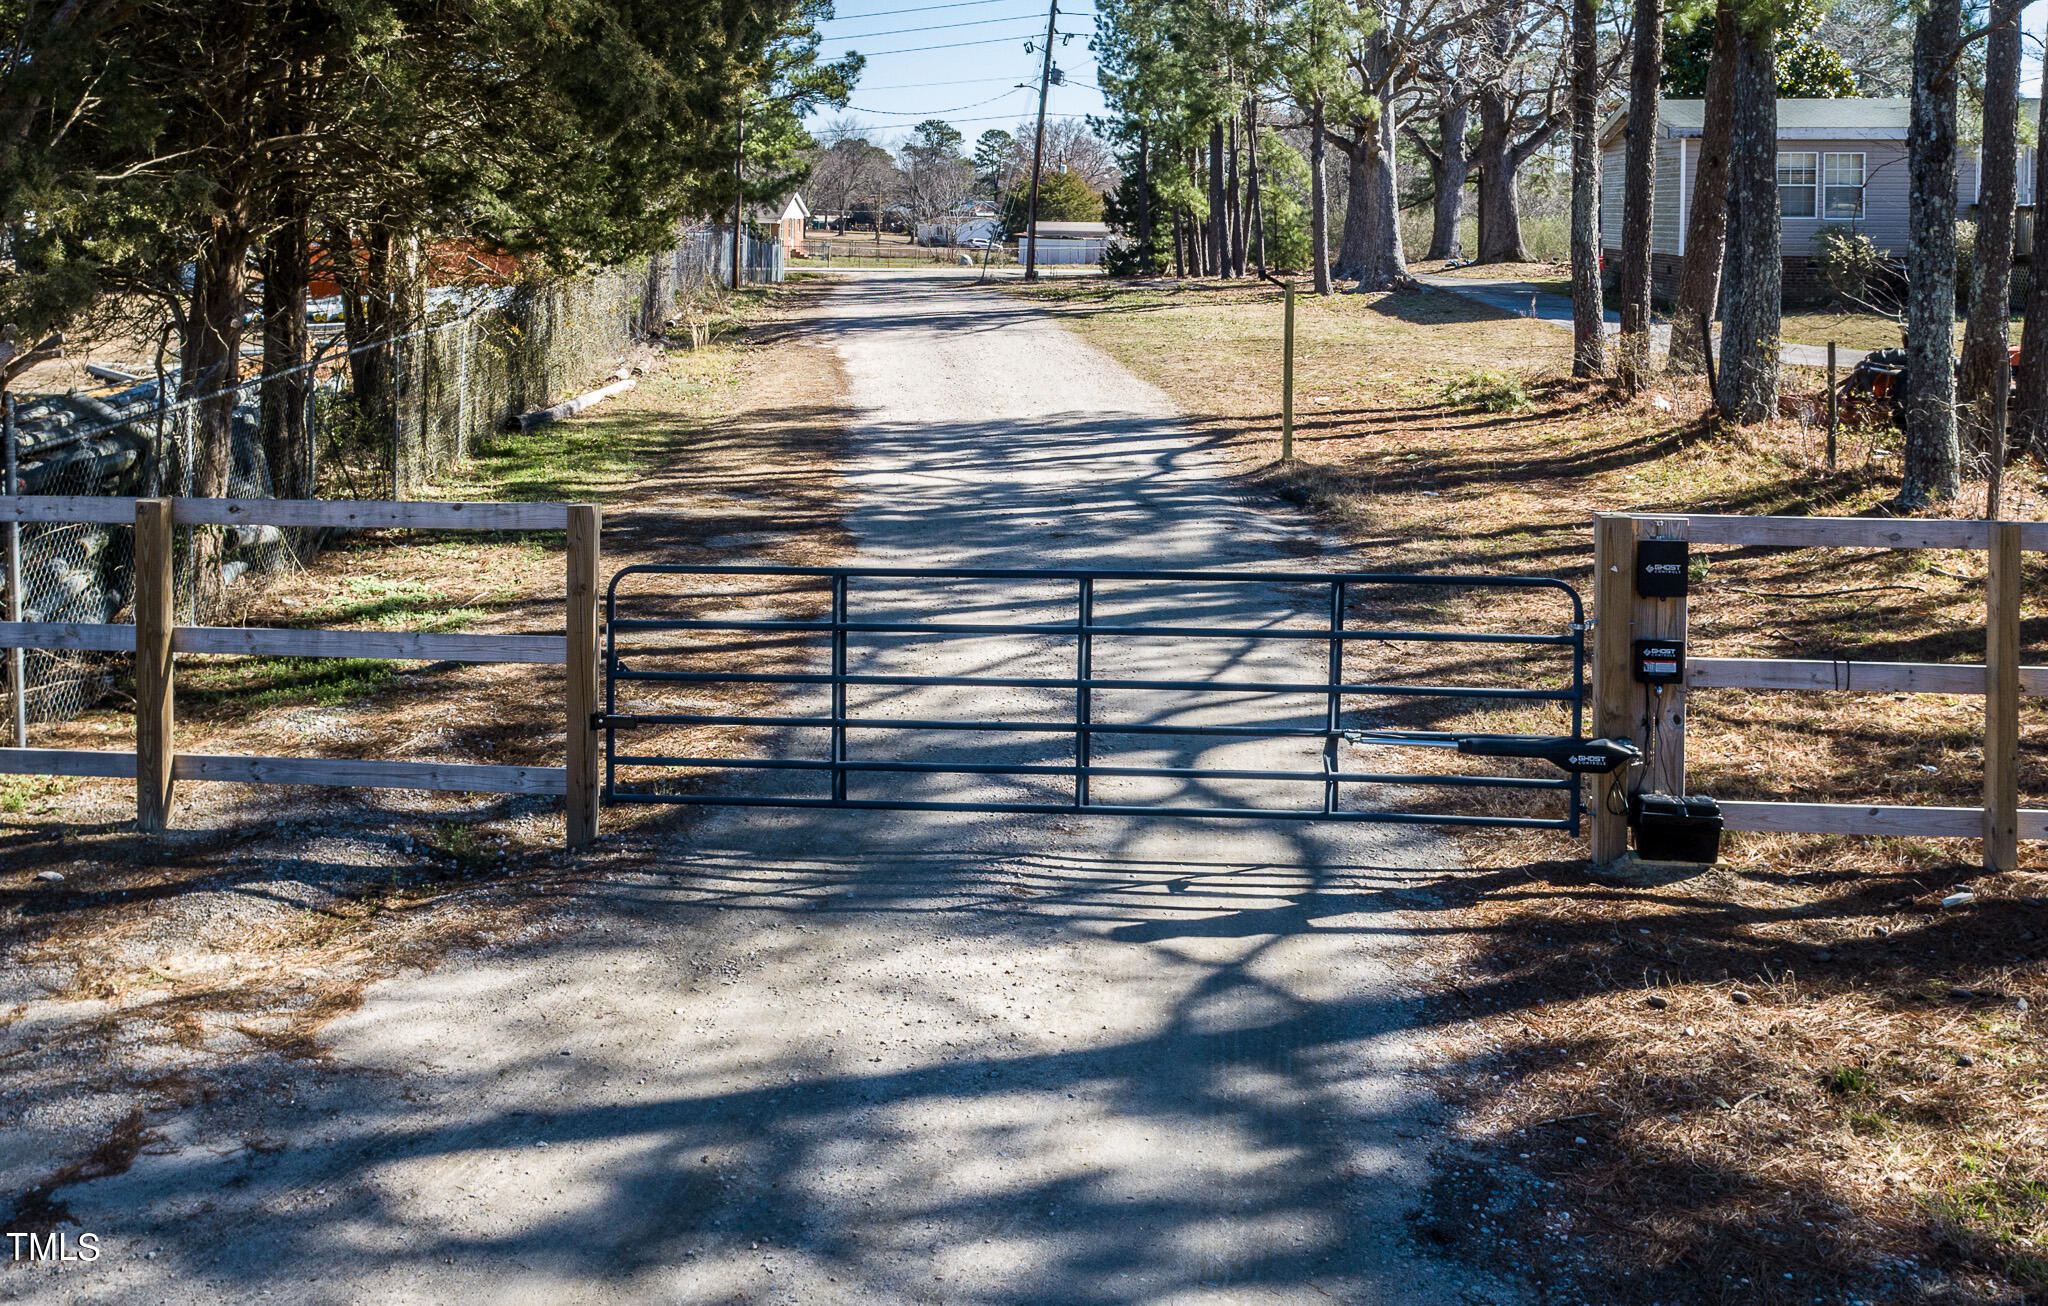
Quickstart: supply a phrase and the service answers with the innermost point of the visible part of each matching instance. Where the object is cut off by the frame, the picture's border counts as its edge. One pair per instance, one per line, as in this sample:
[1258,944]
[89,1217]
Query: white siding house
[1840,162]
[1067,242]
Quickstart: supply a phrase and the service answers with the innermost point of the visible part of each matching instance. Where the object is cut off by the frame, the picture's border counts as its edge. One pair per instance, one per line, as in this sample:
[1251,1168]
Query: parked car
[980,242]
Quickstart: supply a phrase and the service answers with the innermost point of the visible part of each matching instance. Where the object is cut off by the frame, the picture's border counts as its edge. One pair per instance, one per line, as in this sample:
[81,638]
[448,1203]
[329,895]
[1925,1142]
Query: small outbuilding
[1066,242]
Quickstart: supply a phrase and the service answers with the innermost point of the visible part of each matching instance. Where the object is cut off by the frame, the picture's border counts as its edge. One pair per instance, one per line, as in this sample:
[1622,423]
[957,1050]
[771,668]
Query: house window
[1841,180]
[1798,184]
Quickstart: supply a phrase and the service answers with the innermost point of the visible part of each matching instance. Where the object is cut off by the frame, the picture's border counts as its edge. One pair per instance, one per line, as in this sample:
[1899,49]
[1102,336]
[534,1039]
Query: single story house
[960,227]
[786,221]
[1840,162]
[1065,242]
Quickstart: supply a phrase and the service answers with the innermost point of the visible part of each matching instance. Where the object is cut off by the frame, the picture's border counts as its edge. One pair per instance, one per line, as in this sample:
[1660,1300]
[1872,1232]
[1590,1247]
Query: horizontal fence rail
[2000,679]
[155,641]
[632,641]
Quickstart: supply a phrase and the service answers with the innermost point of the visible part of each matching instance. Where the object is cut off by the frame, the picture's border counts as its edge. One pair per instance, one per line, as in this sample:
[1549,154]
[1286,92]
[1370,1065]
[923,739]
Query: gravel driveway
[892,1057]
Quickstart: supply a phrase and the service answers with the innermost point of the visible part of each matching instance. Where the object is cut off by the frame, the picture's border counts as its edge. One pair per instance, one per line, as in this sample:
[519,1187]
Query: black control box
[1674,829]
[1659,661]
[1661,568]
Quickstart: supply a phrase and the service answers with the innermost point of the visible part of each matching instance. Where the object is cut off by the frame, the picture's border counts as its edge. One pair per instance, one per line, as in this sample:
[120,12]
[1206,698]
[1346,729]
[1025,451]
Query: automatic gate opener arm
[1580,756]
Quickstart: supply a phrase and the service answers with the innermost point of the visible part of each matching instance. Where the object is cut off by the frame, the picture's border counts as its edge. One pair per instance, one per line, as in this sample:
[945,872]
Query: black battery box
[1674,829]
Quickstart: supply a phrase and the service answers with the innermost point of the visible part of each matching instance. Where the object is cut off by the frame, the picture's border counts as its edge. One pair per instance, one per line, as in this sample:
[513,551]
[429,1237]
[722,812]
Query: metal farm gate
[1122,692]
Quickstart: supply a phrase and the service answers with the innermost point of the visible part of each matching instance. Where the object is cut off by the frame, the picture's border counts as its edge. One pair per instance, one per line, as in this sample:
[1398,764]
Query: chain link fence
[482,357]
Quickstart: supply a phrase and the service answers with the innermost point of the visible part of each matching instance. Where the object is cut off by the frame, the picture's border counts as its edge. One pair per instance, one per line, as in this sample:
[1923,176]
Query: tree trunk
[1588,344]
[1145,263]
[1353,241]
[1452,167]
[1319,200]
[2030,404]
[1748,376]
[1219,218]
[1500,212]
[1381,264]
[1699,284]
[1985,338]
[1180,266]
[1933,470]
[1639,190]
[1238,205]
[211,370]
[1258,216]
[287,443]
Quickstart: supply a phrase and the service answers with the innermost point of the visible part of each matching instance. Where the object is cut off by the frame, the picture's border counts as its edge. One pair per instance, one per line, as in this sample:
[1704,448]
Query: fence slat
[67,636]
[91,508]
[66,761]
[268,641]
[1851,818]
[363,513]
[1851,677]
[2033,824]
[1853,532]
[370,774]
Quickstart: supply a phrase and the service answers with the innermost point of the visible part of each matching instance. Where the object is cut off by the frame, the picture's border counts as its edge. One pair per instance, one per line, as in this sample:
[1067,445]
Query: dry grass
[1866,1122]
[268,910]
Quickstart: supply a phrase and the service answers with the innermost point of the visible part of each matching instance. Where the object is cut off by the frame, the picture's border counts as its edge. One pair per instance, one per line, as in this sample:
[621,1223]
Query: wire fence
[427,400]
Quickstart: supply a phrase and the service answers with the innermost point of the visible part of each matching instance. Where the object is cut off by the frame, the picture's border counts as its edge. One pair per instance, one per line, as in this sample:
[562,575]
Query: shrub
[1851,264]
[1491,392]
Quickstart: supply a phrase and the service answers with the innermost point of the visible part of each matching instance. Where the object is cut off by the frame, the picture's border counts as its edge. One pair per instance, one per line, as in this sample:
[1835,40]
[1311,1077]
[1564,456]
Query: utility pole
[1038,149]
[739,190]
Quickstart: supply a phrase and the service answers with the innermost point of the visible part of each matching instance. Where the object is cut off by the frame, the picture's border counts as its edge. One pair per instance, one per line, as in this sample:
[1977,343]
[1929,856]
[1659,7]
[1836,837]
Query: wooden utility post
[581,786]
[1287,384]
[154,623]
[2002,699]
[1614,557]
[1038,148]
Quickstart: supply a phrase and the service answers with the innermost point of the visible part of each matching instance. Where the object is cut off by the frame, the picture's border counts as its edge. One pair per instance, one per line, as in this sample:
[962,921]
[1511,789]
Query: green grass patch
[254,683]
[1488,391]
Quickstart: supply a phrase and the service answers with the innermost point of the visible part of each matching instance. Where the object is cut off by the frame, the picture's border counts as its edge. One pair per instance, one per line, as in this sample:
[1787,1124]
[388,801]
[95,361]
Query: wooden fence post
[2002,699]
[1614,545]
[1663,619]
[582,772]
[154,622]
[1287,384]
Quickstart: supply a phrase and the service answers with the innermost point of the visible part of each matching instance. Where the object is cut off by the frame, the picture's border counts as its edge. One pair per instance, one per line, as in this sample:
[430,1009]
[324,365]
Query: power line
[918,86]
[951,45]
[917,9]
[935,113]
[931,27]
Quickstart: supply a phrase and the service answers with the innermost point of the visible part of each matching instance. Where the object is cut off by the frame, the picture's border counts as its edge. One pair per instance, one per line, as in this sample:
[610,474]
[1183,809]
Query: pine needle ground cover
[1797,1078]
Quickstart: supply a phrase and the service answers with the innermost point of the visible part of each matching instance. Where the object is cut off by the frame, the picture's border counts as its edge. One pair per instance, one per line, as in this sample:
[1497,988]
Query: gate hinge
[597,720]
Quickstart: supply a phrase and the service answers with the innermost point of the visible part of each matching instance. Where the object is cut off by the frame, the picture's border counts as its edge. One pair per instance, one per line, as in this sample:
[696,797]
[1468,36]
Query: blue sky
[959,60]
[962,60]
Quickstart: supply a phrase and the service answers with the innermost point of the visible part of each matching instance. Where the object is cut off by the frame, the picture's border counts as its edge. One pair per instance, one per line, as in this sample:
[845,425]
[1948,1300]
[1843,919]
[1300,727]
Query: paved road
[892,1057]
[1526,299]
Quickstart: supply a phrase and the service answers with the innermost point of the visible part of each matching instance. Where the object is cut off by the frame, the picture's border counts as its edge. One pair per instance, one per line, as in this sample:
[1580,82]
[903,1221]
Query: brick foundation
[1803,284]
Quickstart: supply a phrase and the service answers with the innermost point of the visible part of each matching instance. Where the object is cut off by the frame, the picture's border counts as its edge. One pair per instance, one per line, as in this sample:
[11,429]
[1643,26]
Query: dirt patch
[159,971]
[1863,1121]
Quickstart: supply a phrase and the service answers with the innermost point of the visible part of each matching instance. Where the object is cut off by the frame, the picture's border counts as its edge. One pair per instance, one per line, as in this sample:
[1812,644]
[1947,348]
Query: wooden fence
[156,639]
[1621,705]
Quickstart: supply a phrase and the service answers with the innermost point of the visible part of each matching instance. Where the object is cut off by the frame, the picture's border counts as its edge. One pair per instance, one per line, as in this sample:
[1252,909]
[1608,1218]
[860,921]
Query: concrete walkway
[1527,299]
[948,1057]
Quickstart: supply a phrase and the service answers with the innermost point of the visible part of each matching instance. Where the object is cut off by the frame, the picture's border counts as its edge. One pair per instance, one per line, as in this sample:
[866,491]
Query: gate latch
[1579,756]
